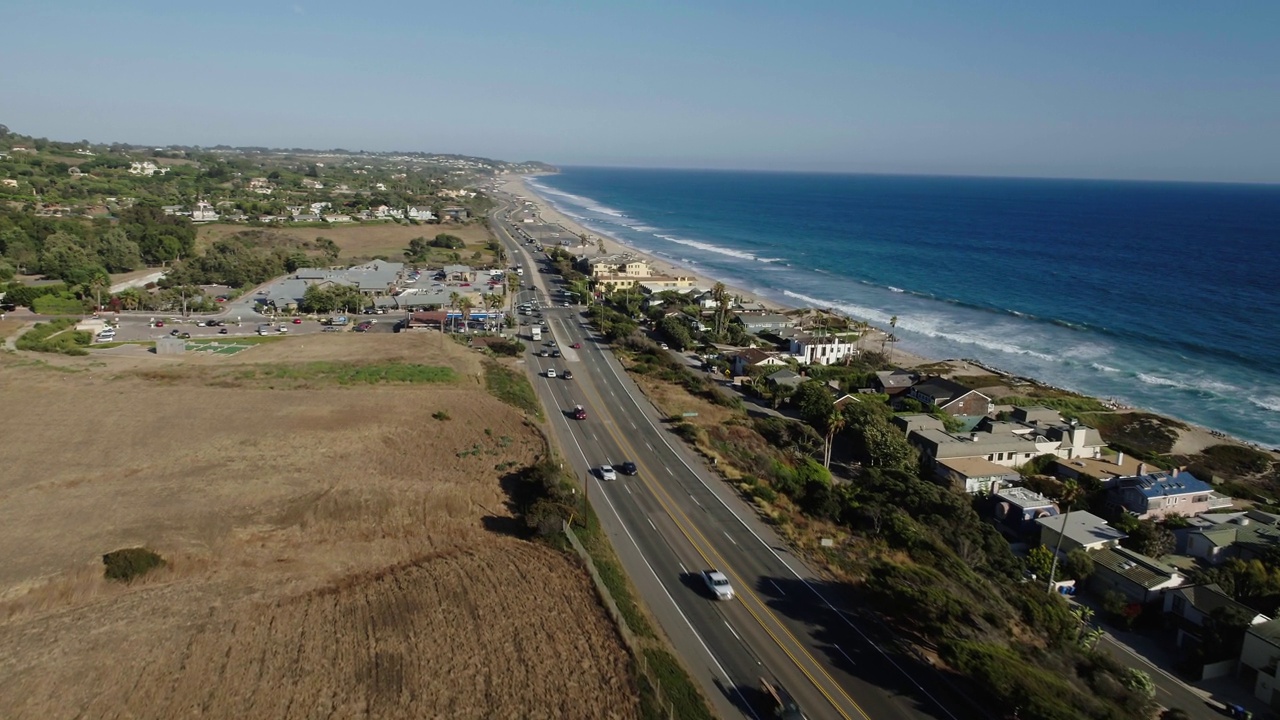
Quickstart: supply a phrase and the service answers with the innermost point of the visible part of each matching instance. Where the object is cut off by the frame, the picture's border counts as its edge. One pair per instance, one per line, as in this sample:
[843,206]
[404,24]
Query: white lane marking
[735,634]
[628,489]
[735,542]
[653,572]
[845,654]
[775,587]
[670,473]
[655,527]
[695,501]
[769,547]
[633,425]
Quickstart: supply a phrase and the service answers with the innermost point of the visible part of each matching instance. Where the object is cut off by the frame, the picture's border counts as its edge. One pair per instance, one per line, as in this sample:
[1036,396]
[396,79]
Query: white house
[147,168]
[420,214]
[204,212]
[821,350]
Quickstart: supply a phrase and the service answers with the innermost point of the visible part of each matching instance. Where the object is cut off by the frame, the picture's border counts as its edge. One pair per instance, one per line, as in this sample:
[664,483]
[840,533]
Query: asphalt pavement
[675,518]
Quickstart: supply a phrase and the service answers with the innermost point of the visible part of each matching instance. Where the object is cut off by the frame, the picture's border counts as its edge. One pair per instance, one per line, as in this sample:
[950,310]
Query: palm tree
[893,323]
[454,300]
[1070,492]
[464,306]
[721,295]
[835,422]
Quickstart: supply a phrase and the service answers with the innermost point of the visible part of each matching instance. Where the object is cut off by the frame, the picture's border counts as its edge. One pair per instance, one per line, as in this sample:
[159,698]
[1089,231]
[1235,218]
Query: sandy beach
[516,185]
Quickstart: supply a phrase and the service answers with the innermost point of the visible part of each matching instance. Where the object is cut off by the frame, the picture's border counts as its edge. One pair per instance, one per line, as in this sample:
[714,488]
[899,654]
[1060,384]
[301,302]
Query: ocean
[1160,295]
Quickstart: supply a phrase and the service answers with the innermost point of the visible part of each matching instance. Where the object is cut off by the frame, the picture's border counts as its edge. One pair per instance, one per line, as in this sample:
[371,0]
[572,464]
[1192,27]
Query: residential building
[1079,530]
[785,377]
[1158,494]
[319,207]
[893,382]
[750,358]
[755,323]
[950,397]
[1191,609]
[337,218]
[1108,469]
[1004,449]
[1260,660]
[1075,440]
[204,212]
[310,184]
[260,185]
[821,349]
[307,218]
[421,214]
[974,475]
[455,213]
[660,283]
[1246,535]
[1139,578]
[1018,509]
[146,168]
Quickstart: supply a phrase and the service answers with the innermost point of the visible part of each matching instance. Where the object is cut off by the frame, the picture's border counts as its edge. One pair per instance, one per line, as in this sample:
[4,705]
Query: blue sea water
[1161,295]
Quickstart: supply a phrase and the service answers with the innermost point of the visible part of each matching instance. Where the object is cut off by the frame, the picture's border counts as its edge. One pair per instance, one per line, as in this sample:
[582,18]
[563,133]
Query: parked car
[607,473]
[202,323]
[718,584]
[627,468]
[331,328]
[159,323]
[663,346]
[297,321]
[282,329]
[579,412]
[576,346]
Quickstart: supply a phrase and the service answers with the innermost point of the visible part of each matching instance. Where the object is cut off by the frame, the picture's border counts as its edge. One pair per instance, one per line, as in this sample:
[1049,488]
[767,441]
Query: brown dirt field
[386,239]
[333,551]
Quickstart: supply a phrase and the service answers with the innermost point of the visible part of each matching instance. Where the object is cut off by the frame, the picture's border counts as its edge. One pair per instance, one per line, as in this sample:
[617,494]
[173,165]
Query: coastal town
[1162,538]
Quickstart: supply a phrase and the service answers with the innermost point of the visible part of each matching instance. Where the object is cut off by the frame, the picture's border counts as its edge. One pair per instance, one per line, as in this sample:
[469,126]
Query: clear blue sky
[1168,90]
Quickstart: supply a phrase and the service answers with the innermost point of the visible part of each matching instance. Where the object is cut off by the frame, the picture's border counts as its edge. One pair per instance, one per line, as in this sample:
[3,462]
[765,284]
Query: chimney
[973,436]
[1120,460]
[1142,469]
[1176,471]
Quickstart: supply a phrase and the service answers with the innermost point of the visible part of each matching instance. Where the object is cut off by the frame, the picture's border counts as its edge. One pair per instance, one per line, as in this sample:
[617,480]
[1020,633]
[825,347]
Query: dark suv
[627,468]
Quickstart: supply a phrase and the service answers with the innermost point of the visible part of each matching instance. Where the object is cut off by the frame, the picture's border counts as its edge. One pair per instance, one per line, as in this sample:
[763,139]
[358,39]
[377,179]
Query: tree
[117,252]
[814,402]
[721,295]
[454,300]
[893,324]
[676,332]
[1040,561]
[1078,565]
[832,424]
[65,258]
[1151,539]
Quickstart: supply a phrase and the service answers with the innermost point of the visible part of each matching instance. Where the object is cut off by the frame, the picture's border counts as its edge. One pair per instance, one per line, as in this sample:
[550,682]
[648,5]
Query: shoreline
[1190,441]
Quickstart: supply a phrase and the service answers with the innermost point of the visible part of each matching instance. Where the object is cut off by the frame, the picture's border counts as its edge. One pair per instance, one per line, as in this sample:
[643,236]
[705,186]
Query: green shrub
[63,303]
[511,387]
[129,563]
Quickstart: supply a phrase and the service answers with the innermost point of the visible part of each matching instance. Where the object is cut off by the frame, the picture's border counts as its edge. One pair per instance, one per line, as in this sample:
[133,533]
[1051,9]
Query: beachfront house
[950,397]
[893,382]
[762,322]
[974,475]
[1160,494]
[821,349]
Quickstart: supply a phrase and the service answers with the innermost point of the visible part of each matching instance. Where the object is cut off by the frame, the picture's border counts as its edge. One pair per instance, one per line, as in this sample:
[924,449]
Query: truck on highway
[784,707]
[338,321]
[535,333]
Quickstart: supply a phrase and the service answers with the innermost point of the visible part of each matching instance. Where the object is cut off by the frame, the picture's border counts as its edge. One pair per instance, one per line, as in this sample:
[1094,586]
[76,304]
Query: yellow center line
[672,510]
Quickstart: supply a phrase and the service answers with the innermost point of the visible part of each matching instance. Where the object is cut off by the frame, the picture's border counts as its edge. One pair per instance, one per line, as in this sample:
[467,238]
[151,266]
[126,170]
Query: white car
[718,584]
[607,473]
[551,372]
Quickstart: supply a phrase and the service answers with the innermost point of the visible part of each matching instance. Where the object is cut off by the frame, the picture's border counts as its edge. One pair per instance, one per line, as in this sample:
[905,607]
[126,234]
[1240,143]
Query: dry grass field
[360,241]
[333,550]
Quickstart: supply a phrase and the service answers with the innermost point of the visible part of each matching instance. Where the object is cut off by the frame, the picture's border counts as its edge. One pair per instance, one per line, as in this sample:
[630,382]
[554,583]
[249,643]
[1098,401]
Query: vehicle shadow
[750,699]
[845,633]
[693,581]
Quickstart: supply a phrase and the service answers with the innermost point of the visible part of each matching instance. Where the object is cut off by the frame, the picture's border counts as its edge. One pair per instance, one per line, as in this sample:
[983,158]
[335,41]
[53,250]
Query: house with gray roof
[1260,660]
[1246,535]
[749,358]
[893,382]
[1018,509]
[1139,578]
[950,397]
[755,323]
[785,377]
[1079,530]
[1192,608]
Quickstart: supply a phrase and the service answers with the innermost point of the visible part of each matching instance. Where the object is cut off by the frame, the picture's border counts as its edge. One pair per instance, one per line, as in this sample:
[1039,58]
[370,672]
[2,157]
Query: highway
[674,518]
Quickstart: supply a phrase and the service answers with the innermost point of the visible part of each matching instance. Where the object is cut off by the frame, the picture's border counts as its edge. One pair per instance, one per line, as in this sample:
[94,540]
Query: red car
[576,346]
[159,323]
[297,321]
[579,413]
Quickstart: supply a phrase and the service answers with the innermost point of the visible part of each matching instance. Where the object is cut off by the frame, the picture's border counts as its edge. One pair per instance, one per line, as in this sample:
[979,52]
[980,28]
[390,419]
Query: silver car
[718,584]
[607,473]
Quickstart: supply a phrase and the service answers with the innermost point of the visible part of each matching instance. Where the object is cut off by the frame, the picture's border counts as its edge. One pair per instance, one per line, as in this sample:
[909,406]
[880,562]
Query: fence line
[628,636]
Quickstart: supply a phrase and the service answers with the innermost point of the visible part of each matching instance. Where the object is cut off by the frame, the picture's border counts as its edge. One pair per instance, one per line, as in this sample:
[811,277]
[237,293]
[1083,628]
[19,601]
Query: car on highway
[551,372]
[201,323]
[297,321]
[555,353]
[607,473]
[185,335]
[718,584]
[579,412]
[627,468]
[576,346]
[331,328]
[568,375]
[223,331]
